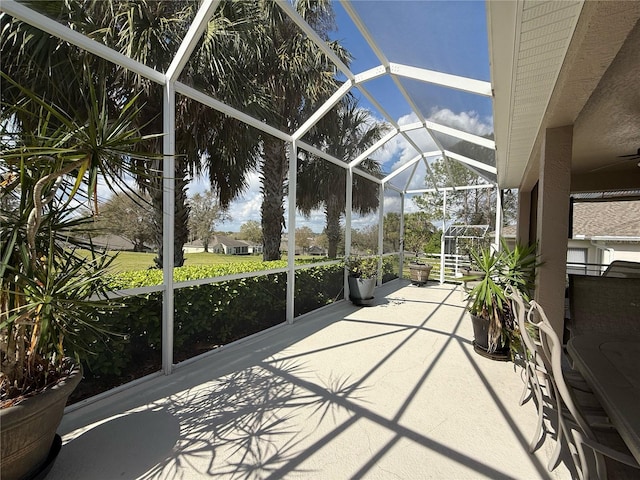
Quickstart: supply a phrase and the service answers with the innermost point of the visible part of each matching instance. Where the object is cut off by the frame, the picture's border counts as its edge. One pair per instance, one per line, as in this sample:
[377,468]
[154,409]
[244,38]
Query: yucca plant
[51,296]
[499,271]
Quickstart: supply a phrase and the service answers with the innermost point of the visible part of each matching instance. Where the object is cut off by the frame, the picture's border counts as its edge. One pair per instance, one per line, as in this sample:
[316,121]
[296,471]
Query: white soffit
[528,42]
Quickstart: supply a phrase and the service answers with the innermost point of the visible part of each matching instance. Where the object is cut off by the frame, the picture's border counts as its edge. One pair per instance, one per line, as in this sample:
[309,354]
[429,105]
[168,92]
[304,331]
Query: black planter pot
[481,341]
[361,290]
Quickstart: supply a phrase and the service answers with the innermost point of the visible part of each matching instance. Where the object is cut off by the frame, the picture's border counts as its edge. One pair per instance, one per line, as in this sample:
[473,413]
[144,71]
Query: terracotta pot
[29,428]
[419,272]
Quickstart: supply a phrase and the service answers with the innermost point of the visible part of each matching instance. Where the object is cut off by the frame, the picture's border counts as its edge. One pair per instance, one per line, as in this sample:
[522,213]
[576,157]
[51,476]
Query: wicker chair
[604,304]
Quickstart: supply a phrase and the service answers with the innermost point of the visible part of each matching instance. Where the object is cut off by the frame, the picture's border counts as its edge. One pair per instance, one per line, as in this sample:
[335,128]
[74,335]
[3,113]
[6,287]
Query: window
[577,261]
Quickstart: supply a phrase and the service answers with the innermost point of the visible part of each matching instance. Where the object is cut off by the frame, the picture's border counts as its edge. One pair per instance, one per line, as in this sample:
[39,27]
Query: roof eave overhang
[606,238]
[518,51]
[502,29]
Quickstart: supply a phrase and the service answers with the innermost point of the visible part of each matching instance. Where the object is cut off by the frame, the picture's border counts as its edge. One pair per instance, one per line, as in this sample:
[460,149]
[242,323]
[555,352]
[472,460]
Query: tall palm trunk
[273,176]
[465,203]
[181,231]
[153,184]
[181,226]
[332,214]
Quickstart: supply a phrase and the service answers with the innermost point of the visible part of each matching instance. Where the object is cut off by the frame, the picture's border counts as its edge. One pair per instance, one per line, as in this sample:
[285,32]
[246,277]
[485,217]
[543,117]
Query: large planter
[361,290]
[419,273]
[29,429]
[481,340]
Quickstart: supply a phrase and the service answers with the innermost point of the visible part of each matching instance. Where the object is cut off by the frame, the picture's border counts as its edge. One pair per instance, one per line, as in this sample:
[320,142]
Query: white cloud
[247,206]
[399,151]
[465,121]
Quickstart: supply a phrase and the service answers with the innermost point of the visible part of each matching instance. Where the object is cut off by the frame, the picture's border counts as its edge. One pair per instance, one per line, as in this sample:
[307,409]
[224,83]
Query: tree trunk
[273,176]
[154,186]
[467,213]
[491,219]
[181,226]
[332,213]
[181,231]
[476,206]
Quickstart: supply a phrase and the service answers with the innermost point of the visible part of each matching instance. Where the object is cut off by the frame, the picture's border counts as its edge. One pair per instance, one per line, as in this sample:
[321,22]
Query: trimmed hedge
[153,276]
[206,316]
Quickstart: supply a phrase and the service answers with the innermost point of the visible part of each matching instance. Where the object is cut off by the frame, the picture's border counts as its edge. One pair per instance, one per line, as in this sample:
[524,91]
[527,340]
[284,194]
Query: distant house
[196,246]
[284,245]
[224,245]
[509,234]
[229,246]
[255,248]
[316,250]
[116,242]
[604,232]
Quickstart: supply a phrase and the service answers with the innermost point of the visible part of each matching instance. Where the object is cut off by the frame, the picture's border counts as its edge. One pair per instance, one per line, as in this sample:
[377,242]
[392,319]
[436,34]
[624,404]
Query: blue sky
[447,36]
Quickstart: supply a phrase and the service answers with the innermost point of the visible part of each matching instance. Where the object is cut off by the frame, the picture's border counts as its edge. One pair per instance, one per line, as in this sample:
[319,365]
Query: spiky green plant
[499,271]
[50,295]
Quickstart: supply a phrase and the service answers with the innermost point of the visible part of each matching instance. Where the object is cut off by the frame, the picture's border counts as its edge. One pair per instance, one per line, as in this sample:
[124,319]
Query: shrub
[206,316]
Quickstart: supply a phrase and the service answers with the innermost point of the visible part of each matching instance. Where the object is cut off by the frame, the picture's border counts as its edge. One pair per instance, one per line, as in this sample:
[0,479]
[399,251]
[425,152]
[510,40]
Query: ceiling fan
[630,157]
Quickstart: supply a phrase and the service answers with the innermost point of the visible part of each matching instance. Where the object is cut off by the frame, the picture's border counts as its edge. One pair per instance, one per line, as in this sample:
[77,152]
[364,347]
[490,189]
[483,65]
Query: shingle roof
[607,219]
[508,231]
[229,242]
[113,242]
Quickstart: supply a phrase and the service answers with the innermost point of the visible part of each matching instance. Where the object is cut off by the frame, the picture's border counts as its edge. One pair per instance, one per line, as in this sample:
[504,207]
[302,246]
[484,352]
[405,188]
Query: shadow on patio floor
[388,391]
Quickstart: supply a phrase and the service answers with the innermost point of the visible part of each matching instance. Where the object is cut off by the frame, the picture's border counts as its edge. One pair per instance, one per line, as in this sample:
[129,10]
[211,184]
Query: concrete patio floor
[391,391]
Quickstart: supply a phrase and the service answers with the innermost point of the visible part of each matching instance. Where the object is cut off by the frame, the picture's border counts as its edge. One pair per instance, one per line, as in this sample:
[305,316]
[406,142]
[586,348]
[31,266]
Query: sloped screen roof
[422,67]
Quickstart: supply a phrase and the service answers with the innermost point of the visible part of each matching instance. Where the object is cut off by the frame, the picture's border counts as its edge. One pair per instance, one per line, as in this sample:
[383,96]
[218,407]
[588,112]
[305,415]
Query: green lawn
[128,261]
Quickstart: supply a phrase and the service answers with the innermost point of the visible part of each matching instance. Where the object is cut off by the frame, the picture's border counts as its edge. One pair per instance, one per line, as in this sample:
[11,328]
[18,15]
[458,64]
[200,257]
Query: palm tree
[207,142]
[350,131]
[299,77]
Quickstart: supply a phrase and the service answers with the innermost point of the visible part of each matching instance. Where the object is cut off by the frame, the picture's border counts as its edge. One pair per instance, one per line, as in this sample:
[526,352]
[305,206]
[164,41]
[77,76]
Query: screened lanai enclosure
[291,137]
[292,114]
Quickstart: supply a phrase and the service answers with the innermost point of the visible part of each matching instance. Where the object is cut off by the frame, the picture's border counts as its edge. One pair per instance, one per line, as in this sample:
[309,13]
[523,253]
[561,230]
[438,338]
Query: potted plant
[363,275]
[419,272]
[418,231]
[493,320]
[51,291]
